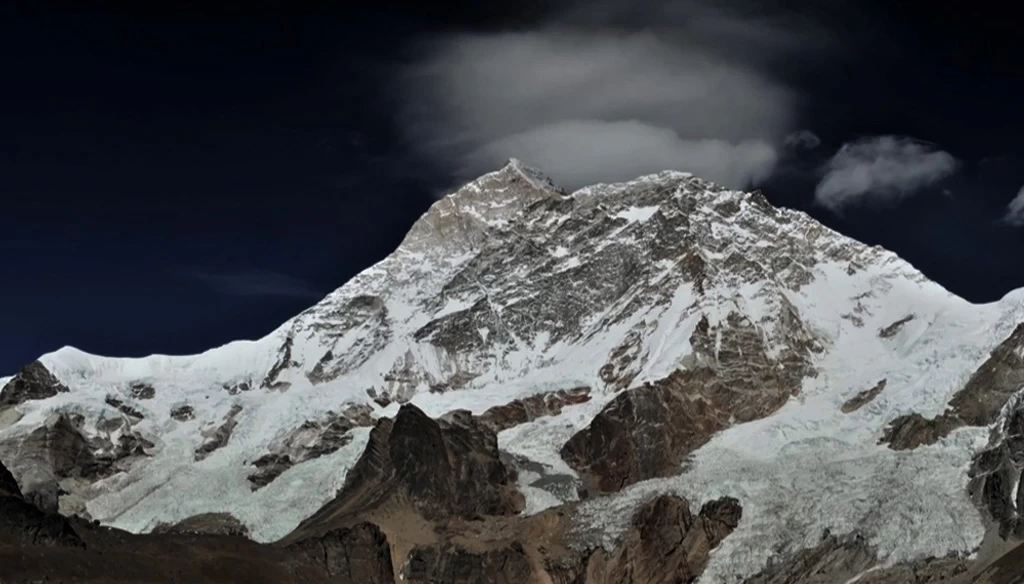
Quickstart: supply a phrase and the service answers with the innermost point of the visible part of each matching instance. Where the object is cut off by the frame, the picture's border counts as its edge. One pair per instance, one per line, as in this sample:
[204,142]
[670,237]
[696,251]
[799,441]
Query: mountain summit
[558,376]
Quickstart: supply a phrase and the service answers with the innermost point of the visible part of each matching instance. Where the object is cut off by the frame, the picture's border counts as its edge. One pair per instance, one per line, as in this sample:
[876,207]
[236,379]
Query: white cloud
[881,169]
[1015,210]
[603,92]
[586,151]
[802,139]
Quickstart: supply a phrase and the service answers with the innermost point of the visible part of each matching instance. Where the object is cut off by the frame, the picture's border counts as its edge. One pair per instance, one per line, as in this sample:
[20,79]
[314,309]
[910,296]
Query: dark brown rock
[219,436]
[22,523]
[183,413]
[360,554]
[142,390]
[32,382]
[668,544]
[891,330]
[525,410]
[454,565]
[863,398]
[446,468]
[124,408]
[977,404]
[207,523]
[647,432]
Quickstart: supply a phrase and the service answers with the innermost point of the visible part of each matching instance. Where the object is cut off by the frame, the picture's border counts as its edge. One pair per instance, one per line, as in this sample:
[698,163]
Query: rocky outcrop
[863,398]
[894,328]
[668,544]
[977,404]
[996,473]
[61,449]
[22,523]
[206,523]
[142,390]
[124,408]
[850,558]
[445,468]
[183,413]
[530,408]
[33,381]
[452,564]
[647,432]
[313,439]
[360,554]
[218,437]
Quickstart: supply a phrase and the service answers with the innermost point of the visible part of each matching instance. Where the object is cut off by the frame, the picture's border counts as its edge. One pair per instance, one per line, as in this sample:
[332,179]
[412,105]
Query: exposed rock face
[183,413]
[894,328]
[525,410]
[34,381]
[446,468]
[22,523]
[124,408]
[668,544]
[312,439]
[648,431]
[850,558]
[218,437]
[142,390]
[207,523]
[997,470]
[977,404]
[357,554]
[454,565]
[863,398]
[61,449]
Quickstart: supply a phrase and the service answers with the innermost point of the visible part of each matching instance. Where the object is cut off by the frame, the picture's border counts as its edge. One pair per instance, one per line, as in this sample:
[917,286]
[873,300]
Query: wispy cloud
[802,139]
[254,282]
[881,169]
[607,91]
[1015,210]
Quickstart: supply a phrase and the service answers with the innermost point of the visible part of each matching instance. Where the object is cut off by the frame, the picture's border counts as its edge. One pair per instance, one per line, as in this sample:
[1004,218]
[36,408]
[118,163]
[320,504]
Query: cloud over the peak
[1015,210]
[881,169]
[598,94]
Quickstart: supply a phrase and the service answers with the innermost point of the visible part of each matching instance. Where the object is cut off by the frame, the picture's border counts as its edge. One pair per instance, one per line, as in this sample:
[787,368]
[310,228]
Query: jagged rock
[359,554]
[32,382]
[850,558]
[863,398]
[525,410]
[312,439]
[22,523]
[646,432]
[124,408]
[183,413]
[454,565]
[142,390]
[891,330]
[667,544]
[446,468]
[977,404]
[206,523]
[219,436]
[236,388]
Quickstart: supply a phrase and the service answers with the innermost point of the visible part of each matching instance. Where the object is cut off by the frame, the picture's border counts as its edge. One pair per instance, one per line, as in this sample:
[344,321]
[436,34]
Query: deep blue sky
[177,175]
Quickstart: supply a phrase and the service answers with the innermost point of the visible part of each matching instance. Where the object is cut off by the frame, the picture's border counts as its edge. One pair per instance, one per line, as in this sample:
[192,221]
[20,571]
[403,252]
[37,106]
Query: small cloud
[802,139]
[255,282]
[881,169]
[1015,210]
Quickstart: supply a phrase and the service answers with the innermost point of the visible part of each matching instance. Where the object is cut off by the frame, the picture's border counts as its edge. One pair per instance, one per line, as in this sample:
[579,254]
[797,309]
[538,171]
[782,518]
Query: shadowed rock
[530,408]
[863,398]
[219,436]
[33,381]
[207,523]
[977,404]
[22,523]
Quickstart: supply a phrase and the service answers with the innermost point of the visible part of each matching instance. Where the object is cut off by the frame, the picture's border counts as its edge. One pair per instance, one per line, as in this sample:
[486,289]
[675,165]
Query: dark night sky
[178,175]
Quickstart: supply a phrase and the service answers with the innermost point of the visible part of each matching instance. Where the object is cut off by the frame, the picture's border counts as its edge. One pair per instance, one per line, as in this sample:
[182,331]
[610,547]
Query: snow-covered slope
[510,287]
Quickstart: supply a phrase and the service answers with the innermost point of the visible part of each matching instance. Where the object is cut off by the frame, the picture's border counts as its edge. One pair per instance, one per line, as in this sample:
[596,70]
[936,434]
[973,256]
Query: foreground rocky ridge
[530,374]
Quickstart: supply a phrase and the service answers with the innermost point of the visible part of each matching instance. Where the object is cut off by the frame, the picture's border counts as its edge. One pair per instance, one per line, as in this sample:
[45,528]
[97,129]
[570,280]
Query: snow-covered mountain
[666,335]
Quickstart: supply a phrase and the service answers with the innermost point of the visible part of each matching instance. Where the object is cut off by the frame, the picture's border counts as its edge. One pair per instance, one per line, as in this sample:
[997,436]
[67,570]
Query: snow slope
[510,287]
